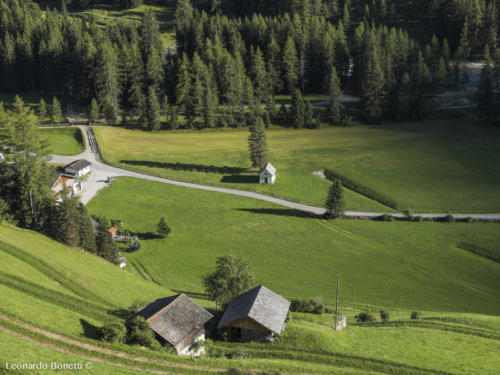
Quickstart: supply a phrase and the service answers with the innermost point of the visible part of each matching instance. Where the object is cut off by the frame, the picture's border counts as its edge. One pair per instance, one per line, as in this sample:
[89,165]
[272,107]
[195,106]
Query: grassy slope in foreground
[64,141]
[436,166]
[398,264]
[308,338]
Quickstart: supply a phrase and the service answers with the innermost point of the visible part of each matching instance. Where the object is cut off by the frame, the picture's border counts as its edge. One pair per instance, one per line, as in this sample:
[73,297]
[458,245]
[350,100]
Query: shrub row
[365,317]
[313,306]
[361,189]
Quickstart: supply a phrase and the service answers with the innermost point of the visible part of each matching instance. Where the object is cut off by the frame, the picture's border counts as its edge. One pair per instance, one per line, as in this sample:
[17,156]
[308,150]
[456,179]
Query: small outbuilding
[268,174]
[78,168]
[256,315]
[177,321]
[114,232]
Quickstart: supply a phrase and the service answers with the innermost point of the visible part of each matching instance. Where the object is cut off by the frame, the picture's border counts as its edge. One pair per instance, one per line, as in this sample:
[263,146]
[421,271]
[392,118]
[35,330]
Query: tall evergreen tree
[153,110]
[55,111]
[372,88]
[485,94]
[93,111]
[257,143]
[163,228]
[335,204]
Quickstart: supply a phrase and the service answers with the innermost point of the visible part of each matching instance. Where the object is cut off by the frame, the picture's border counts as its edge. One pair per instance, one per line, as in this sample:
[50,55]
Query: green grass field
[398,264]
[64,141]
[31,265]
[433,166]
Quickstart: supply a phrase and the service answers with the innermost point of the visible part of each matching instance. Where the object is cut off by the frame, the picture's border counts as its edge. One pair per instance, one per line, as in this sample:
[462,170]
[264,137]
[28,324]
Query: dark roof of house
[261,305]
[175,317]
[79,164]
[270,168]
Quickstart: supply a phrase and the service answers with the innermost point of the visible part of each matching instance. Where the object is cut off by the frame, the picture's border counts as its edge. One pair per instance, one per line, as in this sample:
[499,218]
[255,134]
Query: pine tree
[290,65]
[335,204]
[55,111]
[87,233]
[153,110]
[163,228]
[257,144]
[93,111]
[260,77]
[309,115]
[42,111]
[372,86]
[297,110]
[334,113]
[106,247]
[485,94]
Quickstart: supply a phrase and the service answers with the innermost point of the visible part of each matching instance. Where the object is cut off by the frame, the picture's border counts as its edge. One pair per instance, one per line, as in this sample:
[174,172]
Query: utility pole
[337,303]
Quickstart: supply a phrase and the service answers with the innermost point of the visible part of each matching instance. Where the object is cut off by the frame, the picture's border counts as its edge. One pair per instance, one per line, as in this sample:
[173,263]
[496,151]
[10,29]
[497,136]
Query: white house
[78,168]
[268,174]
[73,185]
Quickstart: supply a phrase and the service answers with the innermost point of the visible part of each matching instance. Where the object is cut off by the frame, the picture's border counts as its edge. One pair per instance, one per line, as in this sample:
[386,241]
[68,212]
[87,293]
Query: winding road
[102,173]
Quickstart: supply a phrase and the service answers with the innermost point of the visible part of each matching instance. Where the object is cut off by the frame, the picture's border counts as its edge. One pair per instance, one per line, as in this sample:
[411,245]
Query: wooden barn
[256,315]
[177,321]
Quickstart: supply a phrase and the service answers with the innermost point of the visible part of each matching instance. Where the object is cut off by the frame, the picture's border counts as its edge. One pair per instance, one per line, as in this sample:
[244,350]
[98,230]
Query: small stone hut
[256,315]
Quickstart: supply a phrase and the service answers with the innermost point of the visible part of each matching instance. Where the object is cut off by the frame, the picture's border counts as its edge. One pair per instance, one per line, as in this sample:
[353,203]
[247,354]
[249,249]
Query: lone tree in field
[93,111]
[232,276]
[257,143]
[163,228]
[335,205]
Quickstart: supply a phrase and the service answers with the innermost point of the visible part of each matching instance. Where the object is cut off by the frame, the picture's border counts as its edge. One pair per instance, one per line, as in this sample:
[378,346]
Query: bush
[418,219]
[140,333]
[384,315]
[415,315]
[114,332]
[314,305]
[449,219]
[365,318]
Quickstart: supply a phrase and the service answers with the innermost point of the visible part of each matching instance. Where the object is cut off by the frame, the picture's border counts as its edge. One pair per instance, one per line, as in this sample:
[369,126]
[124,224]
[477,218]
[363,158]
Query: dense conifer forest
[232,58]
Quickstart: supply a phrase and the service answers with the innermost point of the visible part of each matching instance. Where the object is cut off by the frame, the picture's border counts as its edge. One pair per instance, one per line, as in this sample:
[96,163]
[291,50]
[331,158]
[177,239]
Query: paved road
[101,172]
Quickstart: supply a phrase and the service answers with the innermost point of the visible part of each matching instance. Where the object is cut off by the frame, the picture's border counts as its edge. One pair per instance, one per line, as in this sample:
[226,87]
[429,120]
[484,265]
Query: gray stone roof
[79,164]
[270,168]
[174,318]
[260,304]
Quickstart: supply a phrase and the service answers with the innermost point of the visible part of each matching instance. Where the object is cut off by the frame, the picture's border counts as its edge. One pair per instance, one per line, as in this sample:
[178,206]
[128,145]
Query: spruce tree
[163,228]
[93,111]
[106,247]
[257,144]
[485,94]
[290,63]
[86,230]
[42,111]
[335,204]
[372,86]
[334,113]
[153,110]
[55,111]
[298,110]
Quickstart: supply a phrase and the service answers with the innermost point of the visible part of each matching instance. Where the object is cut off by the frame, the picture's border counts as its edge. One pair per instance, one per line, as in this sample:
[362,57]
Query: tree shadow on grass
[185,167]
[89,330]
[240,179]
[281,212]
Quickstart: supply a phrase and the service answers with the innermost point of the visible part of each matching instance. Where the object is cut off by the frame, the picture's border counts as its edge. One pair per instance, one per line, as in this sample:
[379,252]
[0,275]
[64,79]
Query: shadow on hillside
[193,294]
[185,167]
[280,212]
[240,179]
[89,330]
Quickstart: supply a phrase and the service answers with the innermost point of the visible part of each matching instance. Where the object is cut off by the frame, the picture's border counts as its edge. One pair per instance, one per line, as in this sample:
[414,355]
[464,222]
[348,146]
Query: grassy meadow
[49,286]
[431,166]
[397,264]
[64,141]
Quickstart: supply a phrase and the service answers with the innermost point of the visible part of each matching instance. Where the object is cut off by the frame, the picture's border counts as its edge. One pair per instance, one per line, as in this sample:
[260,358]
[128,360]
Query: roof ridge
[166,308]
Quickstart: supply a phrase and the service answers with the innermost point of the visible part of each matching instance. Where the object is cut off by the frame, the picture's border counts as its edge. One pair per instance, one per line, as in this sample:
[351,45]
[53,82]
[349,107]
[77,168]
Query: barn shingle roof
[174,318]
[260,304]
[79,164]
